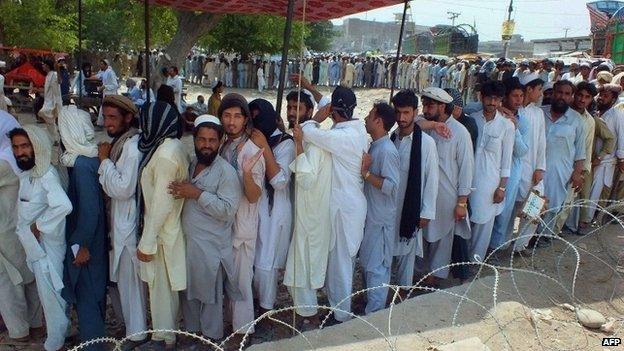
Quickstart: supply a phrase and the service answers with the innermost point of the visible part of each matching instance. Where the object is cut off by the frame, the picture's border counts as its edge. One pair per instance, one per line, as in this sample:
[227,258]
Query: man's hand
[304,82]
[538,175]
[250,162]
[82,257]
[621,166]
[460,213]
[259,139]
[499,196]
[596,161]
[104,151]
[424,222]
[323,113]
[184,190]
[144,257]
[577,181]
[442,129]
[367,160]
[35,231]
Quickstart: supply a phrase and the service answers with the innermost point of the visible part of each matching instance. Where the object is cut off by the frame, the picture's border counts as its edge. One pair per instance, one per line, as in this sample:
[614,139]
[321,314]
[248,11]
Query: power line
[453,16]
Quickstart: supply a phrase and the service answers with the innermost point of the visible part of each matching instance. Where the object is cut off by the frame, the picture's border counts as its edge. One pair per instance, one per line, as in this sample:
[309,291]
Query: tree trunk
[191,26]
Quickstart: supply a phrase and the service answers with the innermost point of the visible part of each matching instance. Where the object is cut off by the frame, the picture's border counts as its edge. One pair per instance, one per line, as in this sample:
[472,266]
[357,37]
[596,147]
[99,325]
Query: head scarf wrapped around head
[266,122]
[42,148]
[343,101]
[77,134]
[7,124]
[159,121]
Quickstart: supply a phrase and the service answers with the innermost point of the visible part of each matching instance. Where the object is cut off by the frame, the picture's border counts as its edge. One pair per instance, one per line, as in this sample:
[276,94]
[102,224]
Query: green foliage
[249,34]
[321,36]
[38,24]
[116,25]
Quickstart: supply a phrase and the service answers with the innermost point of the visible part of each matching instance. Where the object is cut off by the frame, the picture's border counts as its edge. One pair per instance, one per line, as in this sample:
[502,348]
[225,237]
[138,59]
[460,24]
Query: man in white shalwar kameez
[456,167]
[247,159]
[346,142]
[604,173]
[19,303]
[42,208]
[118,176]
[492,167]
[110,84]
[565,154]
[211,195]
[380,170]
[175,82]
[408,240]
[306,263]
[275,206]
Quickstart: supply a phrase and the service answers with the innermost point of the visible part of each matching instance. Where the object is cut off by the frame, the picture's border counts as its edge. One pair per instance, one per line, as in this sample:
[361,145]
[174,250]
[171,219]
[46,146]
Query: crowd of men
[205,236]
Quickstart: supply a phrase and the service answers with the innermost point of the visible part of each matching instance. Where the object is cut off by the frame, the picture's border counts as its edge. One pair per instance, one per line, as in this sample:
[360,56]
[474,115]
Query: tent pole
[79,58]
[398,54]
[146,60]
[285,47]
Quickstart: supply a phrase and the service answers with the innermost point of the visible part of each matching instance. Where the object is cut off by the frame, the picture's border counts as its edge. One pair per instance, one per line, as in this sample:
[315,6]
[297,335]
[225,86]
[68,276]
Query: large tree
[321,36]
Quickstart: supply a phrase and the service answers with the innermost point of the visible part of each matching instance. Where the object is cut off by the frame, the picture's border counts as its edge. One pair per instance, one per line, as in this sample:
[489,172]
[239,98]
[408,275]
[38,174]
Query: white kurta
[535,158]
[119,182]
[346,142]
[456,167]
[429,175]
[245,231]
[109,81]
[307,256]
[3,103]
[603,174]
[44,202]
[275,227]
[492,162]
[52,99]
[176,84]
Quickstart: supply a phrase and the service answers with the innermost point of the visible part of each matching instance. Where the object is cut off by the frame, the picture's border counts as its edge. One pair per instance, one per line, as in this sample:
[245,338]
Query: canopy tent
[316,10]
[26,72]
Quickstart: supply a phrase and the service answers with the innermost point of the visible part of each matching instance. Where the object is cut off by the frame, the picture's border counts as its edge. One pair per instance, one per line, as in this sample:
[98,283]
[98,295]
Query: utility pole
[453,16]
[506,44]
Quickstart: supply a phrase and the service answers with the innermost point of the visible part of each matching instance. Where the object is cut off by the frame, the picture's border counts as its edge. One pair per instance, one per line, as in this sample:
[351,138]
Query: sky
[535,19]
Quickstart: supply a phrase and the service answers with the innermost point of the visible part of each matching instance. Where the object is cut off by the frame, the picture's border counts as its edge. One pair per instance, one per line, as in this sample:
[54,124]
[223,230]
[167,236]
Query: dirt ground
[426,321]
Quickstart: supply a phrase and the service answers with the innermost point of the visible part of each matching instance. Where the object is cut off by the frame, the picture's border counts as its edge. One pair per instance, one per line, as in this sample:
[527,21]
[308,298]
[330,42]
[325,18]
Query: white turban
[77,135]
[42,148]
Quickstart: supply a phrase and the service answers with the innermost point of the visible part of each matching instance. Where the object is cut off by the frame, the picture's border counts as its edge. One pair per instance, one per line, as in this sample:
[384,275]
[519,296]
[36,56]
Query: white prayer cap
[2,64]
[585,64]
[206,118]
[437,94]
[528,78]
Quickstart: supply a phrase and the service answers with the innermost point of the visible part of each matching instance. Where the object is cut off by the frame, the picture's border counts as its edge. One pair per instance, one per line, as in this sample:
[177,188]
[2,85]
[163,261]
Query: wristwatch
[368,173]
[502,188]
[462,204]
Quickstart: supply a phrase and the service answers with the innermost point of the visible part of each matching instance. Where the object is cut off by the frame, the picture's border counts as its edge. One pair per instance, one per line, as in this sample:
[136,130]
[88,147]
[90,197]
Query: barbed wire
[568,286]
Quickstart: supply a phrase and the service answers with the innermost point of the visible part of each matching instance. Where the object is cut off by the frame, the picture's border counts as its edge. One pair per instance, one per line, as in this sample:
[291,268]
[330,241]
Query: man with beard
[609,167]
[19,304]
[380,170]
[246,158]
[455,171]
[418,185]
[212,195]
[306,263]
[492,167]
[346,142]
[119,165]
[42,208]
[275,207]
[161,246]
[565,155]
